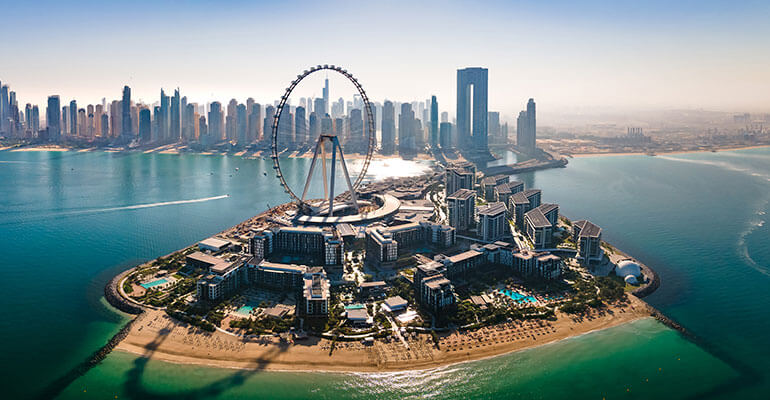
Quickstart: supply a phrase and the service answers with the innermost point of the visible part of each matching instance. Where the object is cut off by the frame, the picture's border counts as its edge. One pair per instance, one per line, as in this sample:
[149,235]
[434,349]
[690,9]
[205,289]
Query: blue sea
[69,221]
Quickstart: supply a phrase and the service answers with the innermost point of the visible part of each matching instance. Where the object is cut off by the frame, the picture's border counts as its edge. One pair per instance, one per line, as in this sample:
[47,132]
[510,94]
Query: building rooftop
[394,303]
[214,242]
[224,267]
[588,229]
[492,209]
[204,258]
[436,282]
[531,192]
[462,194]
[548,207]
[345,230]
[286,268]
[301,229]
[357,314]
[465,256]
[372,284]
[519,198]
[537,218]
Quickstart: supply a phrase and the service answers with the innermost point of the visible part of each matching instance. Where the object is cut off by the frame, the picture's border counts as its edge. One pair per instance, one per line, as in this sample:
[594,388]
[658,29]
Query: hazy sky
[565,54]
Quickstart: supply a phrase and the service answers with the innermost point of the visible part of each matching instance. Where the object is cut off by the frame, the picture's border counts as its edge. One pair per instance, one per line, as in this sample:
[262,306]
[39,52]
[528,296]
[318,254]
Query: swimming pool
[245,310]
[154,283]
[354,307]
[518,297]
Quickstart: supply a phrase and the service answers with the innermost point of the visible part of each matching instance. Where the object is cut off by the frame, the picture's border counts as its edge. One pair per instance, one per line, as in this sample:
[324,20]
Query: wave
[743,248]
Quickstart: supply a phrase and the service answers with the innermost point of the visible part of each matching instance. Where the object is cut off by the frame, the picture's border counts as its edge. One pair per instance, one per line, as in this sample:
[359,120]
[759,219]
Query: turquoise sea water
[70,221]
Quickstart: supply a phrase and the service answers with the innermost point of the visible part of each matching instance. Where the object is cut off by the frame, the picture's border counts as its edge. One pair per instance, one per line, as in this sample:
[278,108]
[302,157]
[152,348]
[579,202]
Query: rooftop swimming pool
[154,283]
[518,297]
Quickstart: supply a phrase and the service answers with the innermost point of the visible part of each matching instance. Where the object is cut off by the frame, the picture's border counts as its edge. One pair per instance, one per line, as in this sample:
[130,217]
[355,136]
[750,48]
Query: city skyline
[655,55]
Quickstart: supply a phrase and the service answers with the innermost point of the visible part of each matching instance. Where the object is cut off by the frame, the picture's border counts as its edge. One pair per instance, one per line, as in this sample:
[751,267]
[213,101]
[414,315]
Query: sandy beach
[42,148]
[155,335]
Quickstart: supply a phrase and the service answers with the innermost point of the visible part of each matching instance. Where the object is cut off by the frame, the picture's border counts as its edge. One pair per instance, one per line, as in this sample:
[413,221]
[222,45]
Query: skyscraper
[526,128]
[319,107]
[105,125]
[267,129]
[406,134]
[215,124]
[255,122]
[326,96]
[35,120]
[531,125]
[241,124]
[165,114]
[445,135]
[145,125]
[300,127]
[175,126]
[125,118]
[493,126]
[433,122]
[388,143]
[53,118]
[356,124]
[314,126]
[472,107]
[73,119]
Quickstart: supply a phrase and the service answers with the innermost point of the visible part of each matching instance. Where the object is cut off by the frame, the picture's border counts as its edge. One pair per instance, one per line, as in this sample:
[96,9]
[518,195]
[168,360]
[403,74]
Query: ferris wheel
[320,151]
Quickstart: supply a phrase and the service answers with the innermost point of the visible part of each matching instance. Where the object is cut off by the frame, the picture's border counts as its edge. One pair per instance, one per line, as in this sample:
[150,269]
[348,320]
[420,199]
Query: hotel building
[493,224]
[462,209]
[588,238]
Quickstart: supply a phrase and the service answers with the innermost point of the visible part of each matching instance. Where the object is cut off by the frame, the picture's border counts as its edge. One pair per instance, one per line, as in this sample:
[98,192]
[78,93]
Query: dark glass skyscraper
[388,143]
[175,125]
[300,127]
[73,118]
[53,118]
[433,122]
[145,125]
[472,107]
[125,118]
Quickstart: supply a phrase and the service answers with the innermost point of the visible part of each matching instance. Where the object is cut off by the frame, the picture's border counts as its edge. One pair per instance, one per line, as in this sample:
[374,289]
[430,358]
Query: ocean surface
[69,221]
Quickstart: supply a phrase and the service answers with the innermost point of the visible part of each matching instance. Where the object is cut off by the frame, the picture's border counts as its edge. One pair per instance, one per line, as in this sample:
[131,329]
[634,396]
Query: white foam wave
[743,249]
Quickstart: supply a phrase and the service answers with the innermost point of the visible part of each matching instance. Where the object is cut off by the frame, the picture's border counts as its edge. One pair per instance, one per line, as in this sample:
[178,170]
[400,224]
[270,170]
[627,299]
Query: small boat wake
[149,205]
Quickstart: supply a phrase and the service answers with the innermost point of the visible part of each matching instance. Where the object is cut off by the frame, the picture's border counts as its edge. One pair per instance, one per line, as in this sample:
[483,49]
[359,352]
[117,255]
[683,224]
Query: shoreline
[638,153]
[652,316]
[154,335]
[166,149]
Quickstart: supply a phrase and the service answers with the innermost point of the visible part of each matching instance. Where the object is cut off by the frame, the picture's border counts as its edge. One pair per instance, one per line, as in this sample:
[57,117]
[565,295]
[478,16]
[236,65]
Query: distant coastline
[639,153]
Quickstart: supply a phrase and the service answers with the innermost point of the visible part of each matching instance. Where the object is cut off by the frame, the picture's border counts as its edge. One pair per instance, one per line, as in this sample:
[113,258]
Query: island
[408,273]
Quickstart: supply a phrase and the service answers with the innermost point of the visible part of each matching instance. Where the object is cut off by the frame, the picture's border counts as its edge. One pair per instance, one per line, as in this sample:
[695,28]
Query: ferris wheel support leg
[331,186]
[353,198]
[322,143]
[312,169]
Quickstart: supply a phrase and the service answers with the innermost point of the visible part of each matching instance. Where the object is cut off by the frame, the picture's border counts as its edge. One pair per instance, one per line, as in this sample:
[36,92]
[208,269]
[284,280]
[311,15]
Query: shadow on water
[134,389]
